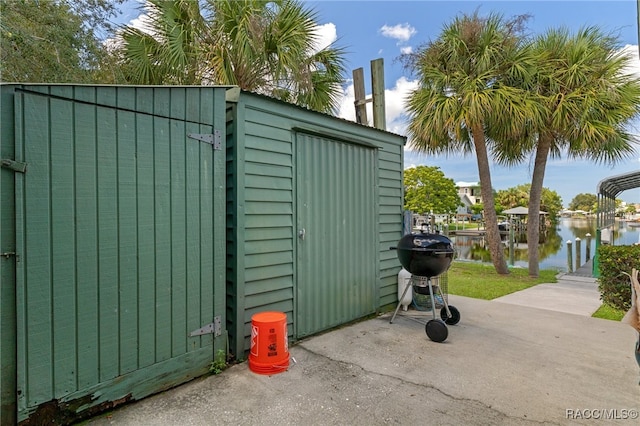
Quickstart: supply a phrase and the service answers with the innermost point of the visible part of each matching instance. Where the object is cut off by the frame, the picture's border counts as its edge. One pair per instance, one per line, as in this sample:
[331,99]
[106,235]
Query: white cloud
[406,50]
[326,34]
[400,32]
[632,51]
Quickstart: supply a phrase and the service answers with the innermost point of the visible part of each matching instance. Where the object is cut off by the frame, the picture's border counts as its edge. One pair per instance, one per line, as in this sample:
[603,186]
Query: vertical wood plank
[108,266]
[38,291]
[178,231]
[194,229]
[360,96]
[86,239]
[162,206]
[146,237]
[377,85]
[127,244]
[62,236]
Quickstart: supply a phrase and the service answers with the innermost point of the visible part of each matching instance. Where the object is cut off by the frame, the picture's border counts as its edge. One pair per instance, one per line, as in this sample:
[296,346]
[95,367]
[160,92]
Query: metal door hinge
[214,139]
[8,254]
[16,166]
[214,328]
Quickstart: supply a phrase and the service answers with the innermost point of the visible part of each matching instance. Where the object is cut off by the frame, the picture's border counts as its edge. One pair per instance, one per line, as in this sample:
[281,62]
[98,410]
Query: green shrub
[614,286]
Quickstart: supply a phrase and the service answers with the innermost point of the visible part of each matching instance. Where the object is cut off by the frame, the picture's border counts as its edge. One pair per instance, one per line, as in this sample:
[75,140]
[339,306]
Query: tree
[169,48]
[584,201]
[461,92]
[586,98]
[513,197]
[268,47]
[551,201]
[427,190]
[53,41]
[271,47]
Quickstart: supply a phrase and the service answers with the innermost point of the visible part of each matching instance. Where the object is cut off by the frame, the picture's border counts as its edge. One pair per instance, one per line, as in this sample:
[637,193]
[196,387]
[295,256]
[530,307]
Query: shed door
[115,232]
[337,233]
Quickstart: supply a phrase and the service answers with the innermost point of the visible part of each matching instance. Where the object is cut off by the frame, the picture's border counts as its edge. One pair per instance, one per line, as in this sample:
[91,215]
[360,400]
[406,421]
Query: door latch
[302,233]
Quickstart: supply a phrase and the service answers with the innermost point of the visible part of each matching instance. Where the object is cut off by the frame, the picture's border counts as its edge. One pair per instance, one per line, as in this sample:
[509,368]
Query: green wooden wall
[263,271]
[119,234]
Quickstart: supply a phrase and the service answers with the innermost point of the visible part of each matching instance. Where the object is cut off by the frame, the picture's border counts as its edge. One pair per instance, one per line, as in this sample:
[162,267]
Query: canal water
[553,249]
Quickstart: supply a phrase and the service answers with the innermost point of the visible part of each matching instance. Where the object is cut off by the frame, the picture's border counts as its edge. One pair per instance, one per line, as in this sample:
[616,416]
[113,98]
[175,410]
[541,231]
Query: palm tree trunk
[535,197]
[486,190]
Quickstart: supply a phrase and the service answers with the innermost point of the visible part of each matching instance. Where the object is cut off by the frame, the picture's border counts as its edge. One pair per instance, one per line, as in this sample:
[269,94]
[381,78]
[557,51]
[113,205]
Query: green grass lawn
[480,280]
[608,312]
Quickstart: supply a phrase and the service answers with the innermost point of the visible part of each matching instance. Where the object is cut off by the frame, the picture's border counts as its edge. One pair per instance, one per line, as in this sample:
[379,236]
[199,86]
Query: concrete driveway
[503,364]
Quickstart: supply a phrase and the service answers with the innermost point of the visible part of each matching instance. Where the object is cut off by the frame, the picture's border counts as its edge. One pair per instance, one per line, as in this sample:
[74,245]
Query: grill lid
[425,254]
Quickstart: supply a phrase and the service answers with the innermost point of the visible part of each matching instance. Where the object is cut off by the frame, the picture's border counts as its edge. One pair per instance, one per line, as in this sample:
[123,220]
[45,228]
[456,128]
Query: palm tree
[169,50]
[587,99]
[268,47]
[461,91]
[271,47]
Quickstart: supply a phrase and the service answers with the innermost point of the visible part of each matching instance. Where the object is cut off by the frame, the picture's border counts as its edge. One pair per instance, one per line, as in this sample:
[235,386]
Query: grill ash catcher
[425,256]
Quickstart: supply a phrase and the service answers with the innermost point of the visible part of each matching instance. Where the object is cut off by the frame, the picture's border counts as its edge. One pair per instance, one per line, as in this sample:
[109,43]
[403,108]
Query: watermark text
[601,413]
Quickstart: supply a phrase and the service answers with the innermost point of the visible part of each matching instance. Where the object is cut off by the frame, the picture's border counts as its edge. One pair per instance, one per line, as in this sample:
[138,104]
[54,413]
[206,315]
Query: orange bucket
[269,352]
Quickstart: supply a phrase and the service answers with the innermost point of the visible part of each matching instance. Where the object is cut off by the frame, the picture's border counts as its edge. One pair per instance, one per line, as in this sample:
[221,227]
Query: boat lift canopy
[608,190]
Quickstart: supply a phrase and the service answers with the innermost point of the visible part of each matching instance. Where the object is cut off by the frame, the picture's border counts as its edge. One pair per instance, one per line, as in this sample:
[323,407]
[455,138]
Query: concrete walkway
[572,294]
[505,363]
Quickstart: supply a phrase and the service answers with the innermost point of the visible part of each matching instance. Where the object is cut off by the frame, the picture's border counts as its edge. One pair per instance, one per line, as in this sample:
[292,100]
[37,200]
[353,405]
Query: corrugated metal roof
[614,185]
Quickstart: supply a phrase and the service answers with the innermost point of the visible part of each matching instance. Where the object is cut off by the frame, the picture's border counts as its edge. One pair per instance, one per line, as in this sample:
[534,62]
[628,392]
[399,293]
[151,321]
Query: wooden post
[569,256]
[578,252]
[587,249]
[377,84]
[360,97]
[512,237]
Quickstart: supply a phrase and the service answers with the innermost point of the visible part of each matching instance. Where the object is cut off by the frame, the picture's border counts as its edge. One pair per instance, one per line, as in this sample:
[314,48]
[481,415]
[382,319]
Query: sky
[370,29]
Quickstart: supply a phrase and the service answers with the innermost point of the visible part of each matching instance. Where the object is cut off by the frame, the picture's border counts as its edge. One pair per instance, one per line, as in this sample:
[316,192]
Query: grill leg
[433,300]
[409,284]
[444,302]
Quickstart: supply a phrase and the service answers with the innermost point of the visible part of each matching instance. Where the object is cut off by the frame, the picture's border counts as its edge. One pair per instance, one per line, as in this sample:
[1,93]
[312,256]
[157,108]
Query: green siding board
[256,194]
[273,137]
[390,191]
[267,246]
[252,207]
[127,250]
[258,234]
[162,168]
[275,258]
[145,233]
[38,335]
[268,182]
[107,246]
[177,229]
[390,209]
[86,233]
[270,170]
[269,284]
[267,221]
[390,174]
[62,247]
[8,296]
[273,300]
[267,157]
[270,271]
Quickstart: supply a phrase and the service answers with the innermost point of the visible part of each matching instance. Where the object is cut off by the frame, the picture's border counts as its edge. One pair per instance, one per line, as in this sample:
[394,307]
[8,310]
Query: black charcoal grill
[426,256]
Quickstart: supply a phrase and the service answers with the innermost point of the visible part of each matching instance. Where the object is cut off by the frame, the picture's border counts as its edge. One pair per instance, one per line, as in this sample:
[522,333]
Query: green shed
[112,242]
[313,204]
